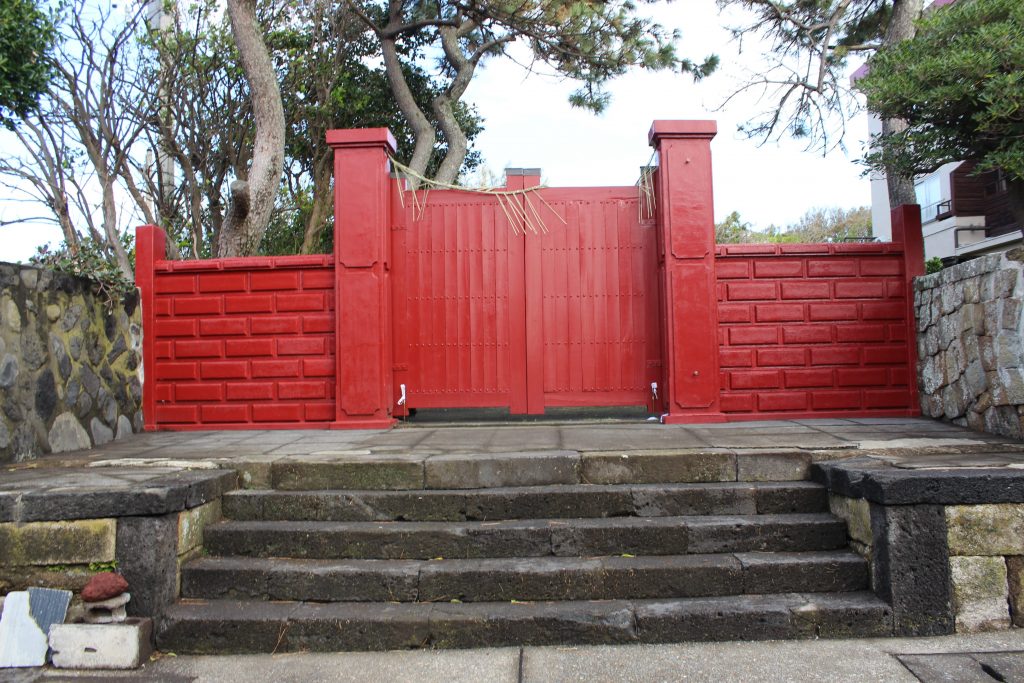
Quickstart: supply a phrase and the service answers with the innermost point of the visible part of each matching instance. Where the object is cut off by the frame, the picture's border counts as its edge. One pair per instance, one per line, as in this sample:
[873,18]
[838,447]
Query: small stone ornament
[104,599]
[110,611]
[104,586]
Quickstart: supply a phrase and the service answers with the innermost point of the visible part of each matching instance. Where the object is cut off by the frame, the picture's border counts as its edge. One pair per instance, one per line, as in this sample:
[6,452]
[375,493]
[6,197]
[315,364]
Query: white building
[963,214]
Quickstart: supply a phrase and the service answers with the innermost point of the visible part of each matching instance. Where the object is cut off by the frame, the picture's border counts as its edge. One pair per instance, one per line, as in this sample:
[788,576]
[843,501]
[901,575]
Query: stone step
[380,471]
[546,578]
[223,627]
[528,538]
[532,502]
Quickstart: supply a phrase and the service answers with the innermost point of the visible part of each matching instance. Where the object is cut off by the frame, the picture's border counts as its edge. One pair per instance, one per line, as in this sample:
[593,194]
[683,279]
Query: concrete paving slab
[505,442]
[915,443]
[252,452]
[958,668]
[600,438]
[885,420]
[755,440]
[767,661]
[447,666]
[828,661]
[771,661]
[1009,666]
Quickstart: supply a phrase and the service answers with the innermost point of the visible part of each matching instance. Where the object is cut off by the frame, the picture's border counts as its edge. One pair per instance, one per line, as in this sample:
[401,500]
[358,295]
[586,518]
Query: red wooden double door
[490,314]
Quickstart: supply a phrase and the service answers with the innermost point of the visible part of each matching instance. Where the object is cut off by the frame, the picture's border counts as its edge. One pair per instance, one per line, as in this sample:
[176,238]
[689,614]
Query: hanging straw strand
[528,216]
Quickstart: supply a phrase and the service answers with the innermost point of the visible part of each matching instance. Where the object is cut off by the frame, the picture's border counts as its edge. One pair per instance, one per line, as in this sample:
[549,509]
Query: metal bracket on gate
[654,390]
[401,399]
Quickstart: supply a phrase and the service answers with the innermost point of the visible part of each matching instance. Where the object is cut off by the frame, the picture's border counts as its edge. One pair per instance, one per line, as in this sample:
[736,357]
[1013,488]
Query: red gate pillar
[528,389]
[150,247]
[686,232]
[906,228]
[362,251]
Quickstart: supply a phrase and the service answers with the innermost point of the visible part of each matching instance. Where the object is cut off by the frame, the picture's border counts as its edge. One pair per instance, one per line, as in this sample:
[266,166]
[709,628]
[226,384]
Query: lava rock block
[104,586]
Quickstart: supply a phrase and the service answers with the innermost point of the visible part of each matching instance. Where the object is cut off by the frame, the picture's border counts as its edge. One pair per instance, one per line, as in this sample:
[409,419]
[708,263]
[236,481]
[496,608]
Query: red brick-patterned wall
[813,329]
[243,342]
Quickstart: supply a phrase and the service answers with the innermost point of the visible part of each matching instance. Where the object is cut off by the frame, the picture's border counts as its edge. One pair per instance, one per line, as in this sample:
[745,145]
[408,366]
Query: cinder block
[101,646]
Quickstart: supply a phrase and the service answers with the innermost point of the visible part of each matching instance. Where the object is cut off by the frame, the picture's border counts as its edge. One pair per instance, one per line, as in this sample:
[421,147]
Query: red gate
[491,314]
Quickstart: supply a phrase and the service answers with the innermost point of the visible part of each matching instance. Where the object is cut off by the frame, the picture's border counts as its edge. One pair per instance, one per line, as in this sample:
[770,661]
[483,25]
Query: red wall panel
[244,343]
[809,330]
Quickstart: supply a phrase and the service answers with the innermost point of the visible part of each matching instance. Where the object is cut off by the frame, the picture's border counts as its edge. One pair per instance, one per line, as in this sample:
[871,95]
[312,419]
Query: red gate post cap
[667,129]
[361,137]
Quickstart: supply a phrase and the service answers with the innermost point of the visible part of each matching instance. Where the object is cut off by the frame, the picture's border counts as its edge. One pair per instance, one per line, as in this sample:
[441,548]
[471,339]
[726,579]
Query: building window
[929,195]
[996,184]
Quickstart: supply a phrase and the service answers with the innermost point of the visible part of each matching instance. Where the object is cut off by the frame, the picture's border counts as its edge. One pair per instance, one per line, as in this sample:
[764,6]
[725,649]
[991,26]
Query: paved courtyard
[156,458]
[166,462]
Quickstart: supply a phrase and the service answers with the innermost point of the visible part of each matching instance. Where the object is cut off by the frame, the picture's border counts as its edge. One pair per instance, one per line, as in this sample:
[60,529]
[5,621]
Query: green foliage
[817,225]
[98,567]
[285,233]
[26,35]
[959,84]
[734,230]
[93,261]
[592,42]
[832,225]
[325,61]
[933,265]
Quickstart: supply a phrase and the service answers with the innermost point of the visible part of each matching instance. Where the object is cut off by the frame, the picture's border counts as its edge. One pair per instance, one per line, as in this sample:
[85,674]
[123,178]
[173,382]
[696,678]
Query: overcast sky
[529,124]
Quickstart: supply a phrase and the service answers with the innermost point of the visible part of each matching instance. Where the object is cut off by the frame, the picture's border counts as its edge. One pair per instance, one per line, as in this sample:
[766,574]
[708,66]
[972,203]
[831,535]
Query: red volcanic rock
[103,587]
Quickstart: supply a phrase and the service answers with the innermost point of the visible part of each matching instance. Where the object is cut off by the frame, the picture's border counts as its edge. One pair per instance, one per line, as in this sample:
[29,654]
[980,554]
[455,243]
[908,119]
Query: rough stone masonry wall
[69,367]
[986,565]
[945,545]
[971,360]
[148,528]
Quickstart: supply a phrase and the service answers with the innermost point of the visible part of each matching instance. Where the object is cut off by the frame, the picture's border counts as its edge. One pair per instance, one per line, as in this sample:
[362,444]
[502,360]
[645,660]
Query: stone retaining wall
[986,559]
[986,547]
[70,366]
[147,528]
[971,360]
[945,546]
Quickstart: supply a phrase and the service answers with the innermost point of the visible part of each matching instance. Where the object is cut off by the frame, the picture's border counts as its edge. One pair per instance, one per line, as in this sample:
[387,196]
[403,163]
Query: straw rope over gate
[525,212]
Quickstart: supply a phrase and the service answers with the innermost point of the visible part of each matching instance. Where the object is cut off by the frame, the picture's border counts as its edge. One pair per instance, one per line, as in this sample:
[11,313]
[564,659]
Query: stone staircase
[519,549]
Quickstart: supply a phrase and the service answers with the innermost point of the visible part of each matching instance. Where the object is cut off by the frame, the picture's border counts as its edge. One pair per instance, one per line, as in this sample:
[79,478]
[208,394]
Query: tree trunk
[244,229]
[901,27]
[458,144]
[110,225]
[443,104]
[421,127]
[323,203]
